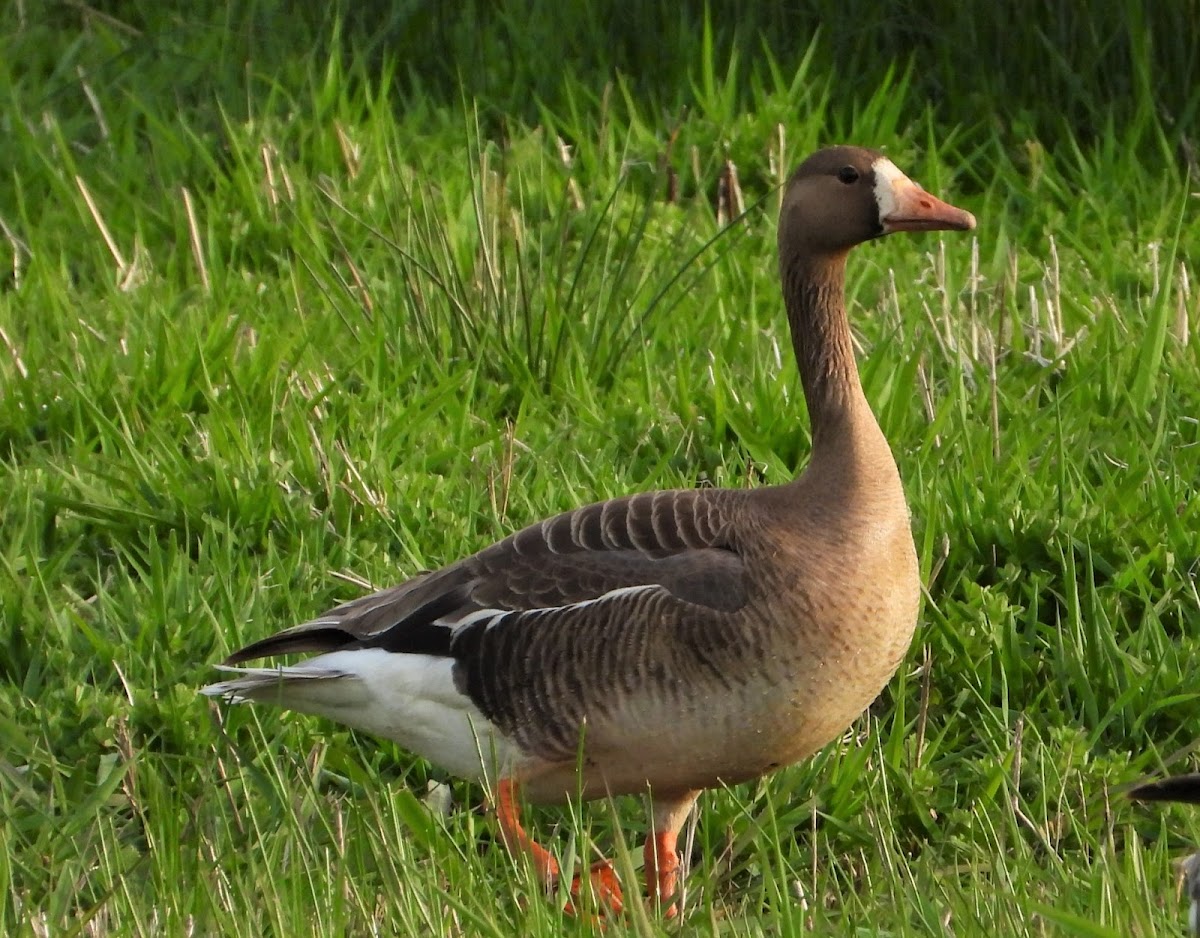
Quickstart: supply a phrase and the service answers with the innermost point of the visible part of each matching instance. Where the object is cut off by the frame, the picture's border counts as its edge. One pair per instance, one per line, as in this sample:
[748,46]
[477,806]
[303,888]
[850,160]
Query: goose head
[842,196]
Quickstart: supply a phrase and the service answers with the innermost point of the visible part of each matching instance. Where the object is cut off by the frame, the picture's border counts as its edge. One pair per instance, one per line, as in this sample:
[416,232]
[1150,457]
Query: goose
[661,643]
[1184,789]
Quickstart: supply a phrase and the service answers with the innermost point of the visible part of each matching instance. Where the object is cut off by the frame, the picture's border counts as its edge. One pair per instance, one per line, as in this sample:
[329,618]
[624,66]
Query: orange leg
[602,880]
[662,869]
[661,864]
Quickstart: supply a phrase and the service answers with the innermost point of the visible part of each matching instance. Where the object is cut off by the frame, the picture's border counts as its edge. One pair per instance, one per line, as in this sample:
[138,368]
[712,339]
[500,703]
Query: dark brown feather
[677,540]
[1181,788]
[540,675]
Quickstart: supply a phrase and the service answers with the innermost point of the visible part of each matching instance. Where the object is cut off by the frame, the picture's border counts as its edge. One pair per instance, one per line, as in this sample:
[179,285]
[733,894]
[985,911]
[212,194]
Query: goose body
[670,641]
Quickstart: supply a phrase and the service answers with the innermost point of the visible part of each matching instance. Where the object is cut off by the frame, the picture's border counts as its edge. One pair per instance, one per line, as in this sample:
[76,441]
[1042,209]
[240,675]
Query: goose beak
[914,209]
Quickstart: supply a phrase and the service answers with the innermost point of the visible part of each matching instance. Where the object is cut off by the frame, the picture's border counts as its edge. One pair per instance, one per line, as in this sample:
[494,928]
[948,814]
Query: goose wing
[613,662]
[682,542]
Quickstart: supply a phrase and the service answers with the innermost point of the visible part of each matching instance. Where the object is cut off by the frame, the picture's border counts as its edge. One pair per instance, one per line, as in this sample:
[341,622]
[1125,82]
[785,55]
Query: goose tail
[410,698]
[308,688]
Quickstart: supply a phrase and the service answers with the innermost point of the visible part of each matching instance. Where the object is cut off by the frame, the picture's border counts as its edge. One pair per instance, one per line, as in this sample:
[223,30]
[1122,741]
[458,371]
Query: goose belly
[711,740]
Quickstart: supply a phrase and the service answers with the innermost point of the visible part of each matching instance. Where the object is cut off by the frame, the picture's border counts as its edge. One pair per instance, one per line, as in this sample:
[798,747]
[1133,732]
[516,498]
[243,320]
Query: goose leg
[602,879]
[661,862]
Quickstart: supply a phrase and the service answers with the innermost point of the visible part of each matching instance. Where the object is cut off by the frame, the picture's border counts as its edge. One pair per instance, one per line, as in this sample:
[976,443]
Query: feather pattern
[545,624]
[680,540]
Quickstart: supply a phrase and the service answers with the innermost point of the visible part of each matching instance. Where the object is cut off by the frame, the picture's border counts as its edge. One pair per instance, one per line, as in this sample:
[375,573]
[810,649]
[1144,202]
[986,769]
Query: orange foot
[604,887]
[601,883]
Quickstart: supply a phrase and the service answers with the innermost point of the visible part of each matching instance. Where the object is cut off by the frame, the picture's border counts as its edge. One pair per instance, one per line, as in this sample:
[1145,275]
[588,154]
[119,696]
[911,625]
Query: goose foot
[601,881]
[604,887]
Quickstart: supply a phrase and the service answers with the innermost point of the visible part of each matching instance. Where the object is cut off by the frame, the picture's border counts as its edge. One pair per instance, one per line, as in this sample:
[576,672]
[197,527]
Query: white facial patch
[887,178]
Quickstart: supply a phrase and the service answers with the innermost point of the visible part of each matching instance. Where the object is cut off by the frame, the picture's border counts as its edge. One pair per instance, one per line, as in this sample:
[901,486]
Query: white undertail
[411,699]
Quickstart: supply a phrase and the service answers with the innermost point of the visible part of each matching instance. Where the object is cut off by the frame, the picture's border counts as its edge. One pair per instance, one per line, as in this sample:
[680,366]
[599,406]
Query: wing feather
[541,675]
[677,541]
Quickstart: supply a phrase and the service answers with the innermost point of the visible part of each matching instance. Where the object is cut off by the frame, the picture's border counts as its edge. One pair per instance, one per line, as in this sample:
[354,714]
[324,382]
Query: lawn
[295,304]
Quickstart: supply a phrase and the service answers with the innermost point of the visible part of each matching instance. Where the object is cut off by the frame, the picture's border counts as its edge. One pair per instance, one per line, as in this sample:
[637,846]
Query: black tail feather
[288,643]
[1181,788]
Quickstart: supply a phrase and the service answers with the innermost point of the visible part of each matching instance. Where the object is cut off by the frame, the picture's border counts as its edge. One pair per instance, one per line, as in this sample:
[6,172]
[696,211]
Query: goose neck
[814,292]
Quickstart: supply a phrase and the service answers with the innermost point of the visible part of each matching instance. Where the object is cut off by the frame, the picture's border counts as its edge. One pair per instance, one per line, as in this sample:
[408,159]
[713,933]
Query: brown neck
[814,292]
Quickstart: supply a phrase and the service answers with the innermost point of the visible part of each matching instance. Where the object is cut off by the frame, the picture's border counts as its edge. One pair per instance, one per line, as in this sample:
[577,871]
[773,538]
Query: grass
[284,314]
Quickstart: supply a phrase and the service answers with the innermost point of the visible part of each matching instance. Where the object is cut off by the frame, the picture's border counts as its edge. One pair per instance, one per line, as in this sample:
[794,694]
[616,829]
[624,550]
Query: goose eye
[848,175]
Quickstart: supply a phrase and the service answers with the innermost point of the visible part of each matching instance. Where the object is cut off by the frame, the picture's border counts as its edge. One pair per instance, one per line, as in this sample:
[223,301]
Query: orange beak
[917,210]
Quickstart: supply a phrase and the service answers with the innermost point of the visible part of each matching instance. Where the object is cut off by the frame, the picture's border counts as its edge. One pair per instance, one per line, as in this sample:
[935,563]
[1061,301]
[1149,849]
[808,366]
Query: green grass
[396,324]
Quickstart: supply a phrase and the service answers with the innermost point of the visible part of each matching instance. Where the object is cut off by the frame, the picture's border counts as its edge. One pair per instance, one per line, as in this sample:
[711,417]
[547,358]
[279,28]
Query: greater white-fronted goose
[1184,789]
[666,642]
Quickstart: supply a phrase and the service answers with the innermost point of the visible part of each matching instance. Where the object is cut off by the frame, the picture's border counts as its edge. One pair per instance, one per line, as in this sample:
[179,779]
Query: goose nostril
[926,204]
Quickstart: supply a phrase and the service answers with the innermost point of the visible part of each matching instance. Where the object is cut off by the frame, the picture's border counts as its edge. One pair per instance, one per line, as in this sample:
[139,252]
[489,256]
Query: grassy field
[289,308]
